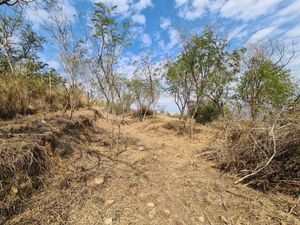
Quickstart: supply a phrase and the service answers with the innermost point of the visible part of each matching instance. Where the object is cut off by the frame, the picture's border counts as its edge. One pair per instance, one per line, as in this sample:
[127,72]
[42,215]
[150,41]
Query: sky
[157,24]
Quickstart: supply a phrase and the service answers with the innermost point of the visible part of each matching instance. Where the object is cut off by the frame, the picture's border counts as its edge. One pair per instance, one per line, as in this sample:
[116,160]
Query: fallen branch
[271,158]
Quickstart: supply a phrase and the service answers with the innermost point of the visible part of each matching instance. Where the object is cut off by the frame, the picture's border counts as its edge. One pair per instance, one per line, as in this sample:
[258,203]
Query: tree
[179,84]
[71,51]
[14,2]
[203,72]
[149,75]
[109,39]
[18,41]
[213,66]
[265,84]
[139,87]
[265,81]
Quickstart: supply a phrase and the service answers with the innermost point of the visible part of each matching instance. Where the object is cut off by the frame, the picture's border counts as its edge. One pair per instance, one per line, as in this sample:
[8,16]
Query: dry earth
[155,177]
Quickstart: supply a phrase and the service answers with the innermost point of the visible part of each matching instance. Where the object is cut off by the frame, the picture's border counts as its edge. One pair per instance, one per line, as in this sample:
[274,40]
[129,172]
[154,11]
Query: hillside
[59,171]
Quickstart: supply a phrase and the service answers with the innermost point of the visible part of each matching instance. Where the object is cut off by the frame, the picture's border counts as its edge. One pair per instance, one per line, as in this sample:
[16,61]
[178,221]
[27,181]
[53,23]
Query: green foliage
[265,85]
[16,51]
[204,71]
[205,113]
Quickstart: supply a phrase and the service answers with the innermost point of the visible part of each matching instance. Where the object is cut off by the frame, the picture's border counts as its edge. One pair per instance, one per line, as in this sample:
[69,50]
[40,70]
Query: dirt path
[179,187]
[155,178]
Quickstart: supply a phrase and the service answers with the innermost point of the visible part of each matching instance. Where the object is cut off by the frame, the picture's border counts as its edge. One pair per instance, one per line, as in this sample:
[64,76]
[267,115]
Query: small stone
[98,181]
[108,221]
[43,122]
[152,213]
[223,218]
[167,211]
[201,219]
[14,190]
[109,202]
[141,148]
[151,205]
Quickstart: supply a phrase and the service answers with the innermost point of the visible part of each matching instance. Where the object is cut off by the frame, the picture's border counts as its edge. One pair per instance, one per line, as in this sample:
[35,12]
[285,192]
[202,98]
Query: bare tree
[70,49]
[14,2]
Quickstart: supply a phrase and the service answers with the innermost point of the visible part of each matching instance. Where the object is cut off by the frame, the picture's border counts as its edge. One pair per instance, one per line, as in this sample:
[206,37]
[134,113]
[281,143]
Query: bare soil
[155,176]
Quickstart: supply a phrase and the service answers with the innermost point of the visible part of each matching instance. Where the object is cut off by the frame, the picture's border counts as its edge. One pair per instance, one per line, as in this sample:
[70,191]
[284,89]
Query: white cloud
[238,33]
[142,4]
[139,18]
[248,9]
[262,34]
[290,10]
[54,64]
[294,32]
[180,2]
[165,23]
[146,39]
[174,38]
[191,10]
[287,14]
[39,16]
[123,6]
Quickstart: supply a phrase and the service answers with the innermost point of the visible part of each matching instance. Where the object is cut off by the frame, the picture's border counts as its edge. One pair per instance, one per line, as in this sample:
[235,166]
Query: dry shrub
[23,95]
[22,164]
[143,112]
[266,156]
[20,95]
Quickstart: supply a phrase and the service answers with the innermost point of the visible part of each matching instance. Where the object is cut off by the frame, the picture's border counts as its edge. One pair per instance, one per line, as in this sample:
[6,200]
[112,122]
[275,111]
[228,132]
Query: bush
[205,113]
[25,95]
[143,112]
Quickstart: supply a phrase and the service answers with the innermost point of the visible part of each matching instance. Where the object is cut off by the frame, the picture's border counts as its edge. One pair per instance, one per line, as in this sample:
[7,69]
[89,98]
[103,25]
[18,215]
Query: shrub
[205,113]
[26,95]
[144,111]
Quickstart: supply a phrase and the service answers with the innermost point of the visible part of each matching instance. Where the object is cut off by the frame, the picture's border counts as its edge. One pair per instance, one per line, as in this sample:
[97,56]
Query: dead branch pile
[266,157]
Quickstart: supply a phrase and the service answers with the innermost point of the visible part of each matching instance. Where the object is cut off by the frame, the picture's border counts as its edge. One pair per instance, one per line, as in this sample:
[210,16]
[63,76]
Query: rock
[141,148]
[223,218]
[166,211]
[201,219]
[109,202]
[14,190]
[43,122]
[98,180]
[108,221]
[152,213]
[151,205]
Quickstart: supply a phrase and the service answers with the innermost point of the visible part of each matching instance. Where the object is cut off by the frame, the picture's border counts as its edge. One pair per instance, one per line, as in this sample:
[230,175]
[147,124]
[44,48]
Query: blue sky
[157,23]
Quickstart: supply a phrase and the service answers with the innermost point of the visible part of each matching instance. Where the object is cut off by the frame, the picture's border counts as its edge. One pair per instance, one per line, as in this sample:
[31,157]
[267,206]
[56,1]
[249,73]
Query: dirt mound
[30,150]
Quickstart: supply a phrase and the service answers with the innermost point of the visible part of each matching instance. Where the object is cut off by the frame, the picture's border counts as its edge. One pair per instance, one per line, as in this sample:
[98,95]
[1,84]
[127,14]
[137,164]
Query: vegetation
[246,95]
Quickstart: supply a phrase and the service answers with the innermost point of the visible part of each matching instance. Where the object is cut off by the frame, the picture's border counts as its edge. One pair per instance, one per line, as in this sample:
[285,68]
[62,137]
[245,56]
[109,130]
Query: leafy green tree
[203,73]
[213,67]
[18,42]
[265,84]
[179,84]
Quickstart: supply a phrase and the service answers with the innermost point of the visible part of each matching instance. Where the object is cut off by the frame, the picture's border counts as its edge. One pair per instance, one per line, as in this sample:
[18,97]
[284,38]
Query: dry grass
[95,183]
[28,151]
